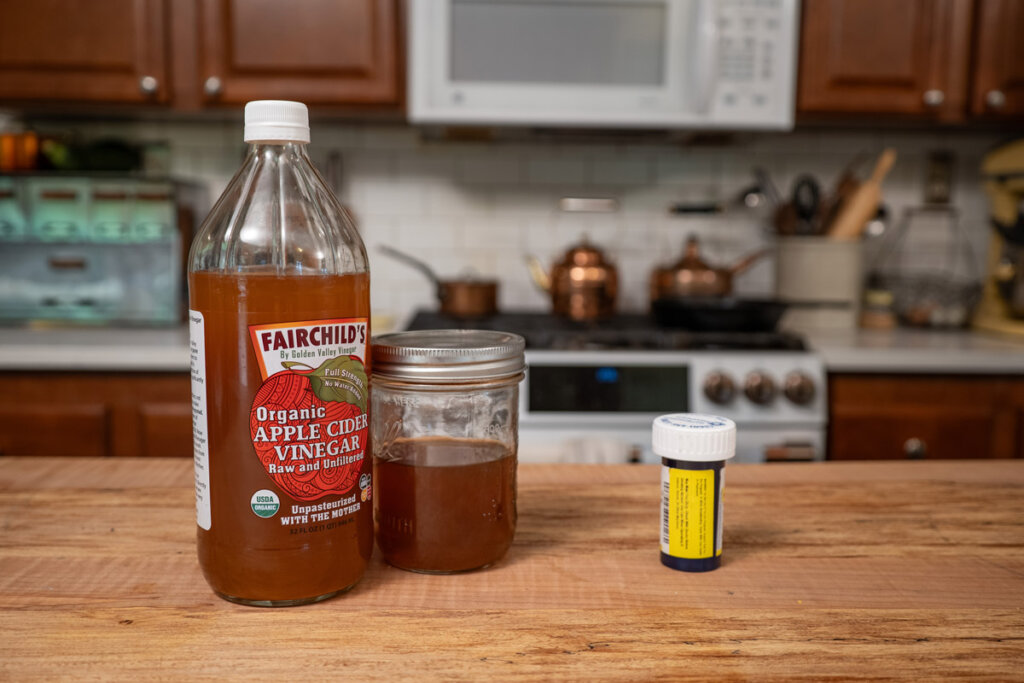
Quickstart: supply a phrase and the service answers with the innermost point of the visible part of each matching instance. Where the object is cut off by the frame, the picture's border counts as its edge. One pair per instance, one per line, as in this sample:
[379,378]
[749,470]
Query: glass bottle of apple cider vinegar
[279,299]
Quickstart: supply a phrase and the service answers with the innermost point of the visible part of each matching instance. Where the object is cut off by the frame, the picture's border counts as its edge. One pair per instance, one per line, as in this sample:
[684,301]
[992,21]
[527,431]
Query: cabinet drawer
[54,429]
[911,432]
[876,417]
[166,429]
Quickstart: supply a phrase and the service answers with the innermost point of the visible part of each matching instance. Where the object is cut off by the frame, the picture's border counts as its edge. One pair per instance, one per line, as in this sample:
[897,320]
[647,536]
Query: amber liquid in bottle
[280,343]
[445,505]
[244,557]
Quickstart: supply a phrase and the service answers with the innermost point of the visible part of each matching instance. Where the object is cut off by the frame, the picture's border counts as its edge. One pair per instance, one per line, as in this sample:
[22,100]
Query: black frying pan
[718,314]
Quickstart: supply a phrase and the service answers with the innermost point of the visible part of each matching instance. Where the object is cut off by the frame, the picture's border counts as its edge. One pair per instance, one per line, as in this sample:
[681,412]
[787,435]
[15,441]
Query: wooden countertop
[905,570]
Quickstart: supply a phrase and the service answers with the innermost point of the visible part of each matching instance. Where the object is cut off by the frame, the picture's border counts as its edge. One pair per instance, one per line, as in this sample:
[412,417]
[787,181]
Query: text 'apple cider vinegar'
[279,298]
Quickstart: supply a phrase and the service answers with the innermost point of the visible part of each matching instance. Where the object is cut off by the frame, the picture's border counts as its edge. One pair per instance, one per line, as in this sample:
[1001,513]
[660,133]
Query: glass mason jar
[445,431]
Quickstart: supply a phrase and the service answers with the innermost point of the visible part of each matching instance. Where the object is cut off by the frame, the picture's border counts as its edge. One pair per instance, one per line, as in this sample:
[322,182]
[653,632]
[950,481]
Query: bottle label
[200,434]
[308,421]
[691,522]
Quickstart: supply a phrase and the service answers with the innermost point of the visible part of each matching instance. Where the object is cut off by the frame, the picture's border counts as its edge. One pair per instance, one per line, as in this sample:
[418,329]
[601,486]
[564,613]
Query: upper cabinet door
[999,59]
[83,50]
[879,56]
[327,52]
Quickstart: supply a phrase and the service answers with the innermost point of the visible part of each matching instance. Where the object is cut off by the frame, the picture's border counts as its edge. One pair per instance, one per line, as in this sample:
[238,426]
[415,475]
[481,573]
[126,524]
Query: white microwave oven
[698,64]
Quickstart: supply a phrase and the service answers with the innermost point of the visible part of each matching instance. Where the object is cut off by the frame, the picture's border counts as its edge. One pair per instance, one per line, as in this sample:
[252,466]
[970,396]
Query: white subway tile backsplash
[493,232]
[499,167]
[417,232]
[484,205]
[387,138]
[621,171]
[552,170]
[446,198]
[425,169]
[528,202]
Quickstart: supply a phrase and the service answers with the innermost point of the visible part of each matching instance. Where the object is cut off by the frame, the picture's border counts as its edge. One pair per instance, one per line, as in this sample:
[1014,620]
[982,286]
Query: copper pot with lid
[583,285]
[692,276]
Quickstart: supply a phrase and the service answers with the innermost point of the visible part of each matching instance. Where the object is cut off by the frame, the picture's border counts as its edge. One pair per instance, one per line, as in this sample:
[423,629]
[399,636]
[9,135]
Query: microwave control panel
[750,46]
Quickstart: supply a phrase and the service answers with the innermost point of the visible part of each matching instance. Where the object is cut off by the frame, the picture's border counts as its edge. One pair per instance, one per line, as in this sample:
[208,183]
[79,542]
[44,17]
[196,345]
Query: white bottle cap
[697,438]
[276,121]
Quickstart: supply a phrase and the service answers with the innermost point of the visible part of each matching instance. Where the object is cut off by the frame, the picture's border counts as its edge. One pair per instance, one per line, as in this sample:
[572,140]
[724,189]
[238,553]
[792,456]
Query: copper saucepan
[466,297]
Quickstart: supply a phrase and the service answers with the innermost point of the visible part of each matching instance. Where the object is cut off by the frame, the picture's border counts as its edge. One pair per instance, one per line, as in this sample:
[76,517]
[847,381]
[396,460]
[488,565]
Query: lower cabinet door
[910,433]
[55,429]
[890,417]
[165,429]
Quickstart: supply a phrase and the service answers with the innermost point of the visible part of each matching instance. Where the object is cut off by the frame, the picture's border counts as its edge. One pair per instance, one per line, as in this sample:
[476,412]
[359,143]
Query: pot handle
[417,264]
[748,261]
[539,275]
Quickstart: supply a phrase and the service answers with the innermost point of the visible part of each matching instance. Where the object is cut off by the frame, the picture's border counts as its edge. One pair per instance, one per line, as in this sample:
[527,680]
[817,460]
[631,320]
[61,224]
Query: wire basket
[932,300]
[931,273]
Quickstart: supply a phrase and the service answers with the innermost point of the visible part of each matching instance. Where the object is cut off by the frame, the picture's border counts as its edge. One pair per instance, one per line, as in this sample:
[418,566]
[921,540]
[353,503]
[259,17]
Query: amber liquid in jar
[243,557]
[445,505]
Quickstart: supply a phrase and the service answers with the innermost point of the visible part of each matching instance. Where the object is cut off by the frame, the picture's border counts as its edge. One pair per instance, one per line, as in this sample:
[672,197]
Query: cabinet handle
[149,85]
[934,98]
[995,99]
[213,86]
[915,448]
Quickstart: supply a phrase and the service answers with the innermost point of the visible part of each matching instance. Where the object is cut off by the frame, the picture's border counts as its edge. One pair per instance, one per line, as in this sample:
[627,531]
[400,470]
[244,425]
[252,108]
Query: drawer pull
[915,448]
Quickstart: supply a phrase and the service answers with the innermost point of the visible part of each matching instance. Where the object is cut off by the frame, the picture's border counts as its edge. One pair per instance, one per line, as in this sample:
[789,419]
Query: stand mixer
[1002,304]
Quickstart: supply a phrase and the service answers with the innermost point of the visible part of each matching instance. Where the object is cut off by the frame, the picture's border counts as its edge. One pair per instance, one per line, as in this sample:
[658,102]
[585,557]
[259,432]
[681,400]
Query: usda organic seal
[265,503]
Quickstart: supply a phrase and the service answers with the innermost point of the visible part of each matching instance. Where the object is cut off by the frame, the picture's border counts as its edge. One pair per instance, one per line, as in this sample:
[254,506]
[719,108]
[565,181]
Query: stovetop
[622,331]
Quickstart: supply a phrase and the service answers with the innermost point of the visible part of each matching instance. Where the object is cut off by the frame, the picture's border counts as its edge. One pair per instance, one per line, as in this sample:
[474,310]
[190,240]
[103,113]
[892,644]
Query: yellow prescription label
[688,513]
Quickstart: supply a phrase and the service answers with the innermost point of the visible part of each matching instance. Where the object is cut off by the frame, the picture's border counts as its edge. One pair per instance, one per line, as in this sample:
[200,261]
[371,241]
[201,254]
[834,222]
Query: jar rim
[448,356]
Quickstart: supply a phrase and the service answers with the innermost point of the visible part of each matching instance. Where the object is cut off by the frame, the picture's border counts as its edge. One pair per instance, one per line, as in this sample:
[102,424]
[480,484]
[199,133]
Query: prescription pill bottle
[693,450]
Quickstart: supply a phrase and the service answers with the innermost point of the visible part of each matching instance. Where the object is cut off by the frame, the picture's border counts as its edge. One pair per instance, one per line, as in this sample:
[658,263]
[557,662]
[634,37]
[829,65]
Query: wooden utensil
[846,184]
[862,204]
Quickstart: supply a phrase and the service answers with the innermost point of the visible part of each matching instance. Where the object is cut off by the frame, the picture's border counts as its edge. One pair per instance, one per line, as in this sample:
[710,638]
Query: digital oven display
[608,388]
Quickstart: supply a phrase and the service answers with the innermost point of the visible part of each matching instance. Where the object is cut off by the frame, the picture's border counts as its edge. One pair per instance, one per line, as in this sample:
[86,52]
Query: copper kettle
[582,285]
[692,276]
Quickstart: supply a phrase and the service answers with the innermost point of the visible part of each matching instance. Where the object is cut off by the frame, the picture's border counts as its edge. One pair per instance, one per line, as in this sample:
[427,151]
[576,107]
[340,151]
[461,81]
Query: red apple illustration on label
[309,429]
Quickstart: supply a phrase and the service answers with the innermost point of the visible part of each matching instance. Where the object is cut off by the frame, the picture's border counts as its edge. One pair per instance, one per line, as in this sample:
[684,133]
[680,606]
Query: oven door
[638,63]
[598,406]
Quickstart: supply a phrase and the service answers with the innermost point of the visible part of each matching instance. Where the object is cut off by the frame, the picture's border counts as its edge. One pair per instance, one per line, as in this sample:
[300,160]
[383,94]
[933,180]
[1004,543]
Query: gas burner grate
[621,332]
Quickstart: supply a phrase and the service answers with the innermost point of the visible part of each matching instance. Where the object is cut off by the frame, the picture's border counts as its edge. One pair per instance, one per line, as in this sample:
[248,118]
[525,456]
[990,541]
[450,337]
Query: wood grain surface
[911,570]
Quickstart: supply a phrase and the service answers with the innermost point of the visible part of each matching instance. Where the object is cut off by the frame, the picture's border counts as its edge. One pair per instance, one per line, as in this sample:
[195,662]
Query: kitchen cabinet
[83,50]
[877,56]
[321,52]
[95,414]
[204,53]
[999,69]
[884,417]
[942,60]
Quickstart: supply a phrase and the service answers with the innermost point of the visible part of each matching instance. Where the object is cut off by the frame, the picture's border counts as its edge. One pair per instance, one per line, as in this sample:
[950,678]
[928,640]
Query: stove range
[592,389]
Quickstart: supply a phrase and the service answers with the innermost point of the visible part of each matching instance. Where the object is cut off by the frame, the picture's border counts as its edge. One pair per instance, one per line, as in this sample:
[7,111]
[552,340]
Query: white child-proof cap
[692,437]
[276,121]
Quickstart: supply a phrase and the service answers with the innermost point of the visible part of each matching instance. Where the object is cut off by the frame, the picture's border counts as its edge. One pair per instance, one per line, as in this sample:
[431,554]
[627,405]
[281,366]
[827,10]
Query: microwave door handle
[706,57]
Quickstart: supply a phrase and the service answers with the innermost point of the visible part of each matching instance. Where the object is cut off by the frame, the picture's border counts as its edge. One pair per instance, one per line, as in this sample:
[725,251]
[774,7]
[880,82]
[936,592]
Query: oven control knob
[759,387]
[719,387]
[799,388]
